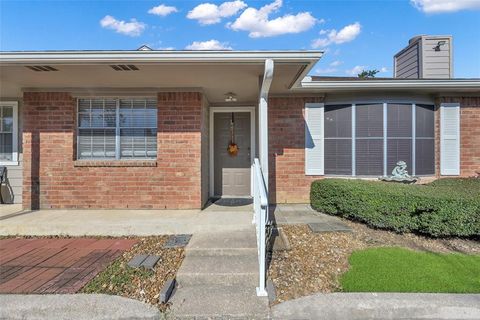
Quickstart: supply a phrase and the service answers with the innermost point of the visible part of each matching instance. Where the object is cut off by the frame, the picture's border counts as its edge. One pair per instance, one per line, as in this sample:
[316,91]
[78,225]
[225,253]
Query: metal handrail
[260,204]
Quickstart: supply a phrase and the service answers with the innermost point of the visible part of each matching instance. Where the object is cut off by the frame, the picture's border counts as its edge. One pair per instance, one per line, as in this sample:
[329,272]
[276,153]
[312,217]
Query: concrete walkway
[219,275]
[354,306]
[76,222]
[300,214]
[75,307]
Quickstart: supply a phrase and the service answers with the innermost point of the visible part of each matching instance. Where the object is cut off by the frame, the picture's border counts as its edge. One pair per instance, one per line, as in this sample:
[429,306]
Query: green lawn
[402,270]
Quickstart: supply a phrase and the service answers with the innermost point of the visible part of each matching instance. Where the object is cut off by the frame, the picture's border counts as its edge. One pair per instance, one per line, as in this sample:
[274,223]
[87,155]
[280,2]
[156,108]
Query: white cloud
[336,63]
[208,45]
[133,28]
[209,13]
[346,34]
[444,6]
[257,23]
[383,69]
[162,10]
[355,70]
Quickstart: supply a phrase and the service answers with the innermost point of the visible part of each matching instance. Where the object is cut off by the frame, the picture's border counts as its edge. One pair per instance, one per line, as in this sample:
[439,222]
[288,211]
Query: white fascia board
[392,84]
[82,57]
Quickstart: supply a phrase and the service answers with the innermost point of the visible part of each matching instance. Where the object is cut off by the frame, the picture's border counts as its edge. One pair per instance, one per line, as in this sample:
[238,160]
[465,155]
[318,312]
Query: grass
[402,270]
[114,279]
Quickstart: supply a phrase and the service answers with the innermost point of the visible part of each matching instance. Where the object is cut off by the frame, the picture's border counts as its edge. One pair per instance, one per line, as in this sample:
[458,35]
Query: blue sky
[355,34]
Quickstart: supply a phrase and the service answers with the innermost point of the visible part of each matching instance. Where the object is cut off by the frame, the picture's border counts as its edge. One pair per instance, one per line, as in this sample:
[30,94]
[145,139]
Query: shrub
[446,207]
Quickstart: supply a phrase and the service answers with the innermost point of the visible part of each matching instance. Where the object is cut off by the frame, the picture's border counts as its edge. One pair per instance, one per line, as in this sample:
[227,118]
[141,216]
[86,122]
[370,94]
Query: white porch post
[263,118]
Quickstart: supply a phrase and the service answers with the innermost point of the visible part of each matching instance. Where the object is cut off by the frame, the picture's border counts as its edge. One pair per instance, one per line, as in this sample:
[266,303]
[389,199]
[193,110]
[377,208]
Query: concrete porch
[215,218]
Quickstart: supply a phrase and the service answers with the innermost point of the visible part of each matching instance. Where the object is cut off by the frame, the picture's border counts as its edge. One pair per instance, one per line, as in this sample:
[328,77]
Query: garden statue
[400,174]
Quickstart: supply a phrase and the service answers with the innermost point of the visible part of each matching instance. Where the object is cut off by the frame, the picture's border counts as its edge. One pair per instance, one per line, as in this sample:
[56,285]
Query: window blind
[338,139]
[117,128]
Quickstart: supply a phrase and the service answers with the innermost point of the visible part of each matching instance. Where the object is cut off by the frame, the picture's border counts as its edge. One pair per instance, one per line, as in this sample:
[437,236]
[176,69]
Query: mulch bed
[316,260]
[139,283]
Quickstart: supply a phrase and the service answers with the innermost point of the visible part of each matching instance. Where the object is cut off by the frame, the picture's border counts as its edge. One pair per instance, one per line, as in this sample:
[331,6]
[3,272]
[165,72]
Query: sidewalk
[75,307]
[355,306]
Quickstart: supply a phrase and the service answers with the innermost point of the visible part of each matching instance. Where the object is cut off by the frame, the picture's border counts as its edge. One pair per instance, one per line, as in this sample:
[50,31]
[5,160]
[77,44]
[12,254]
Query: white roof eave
[421,84]
[85,57]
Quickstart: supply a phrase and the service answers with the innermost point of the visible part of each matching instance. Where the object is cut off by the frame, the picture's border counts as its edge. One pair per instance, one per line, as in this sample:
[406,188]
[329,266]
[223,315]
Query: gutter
[83,57]
[390,84]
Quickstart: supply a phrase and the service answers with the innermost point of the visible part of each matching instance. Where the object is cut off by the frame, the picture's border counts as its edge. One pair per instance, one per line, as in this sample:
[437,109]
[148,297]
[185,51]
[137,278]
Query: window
[117,129]
[399,135]
[369,139]
[424,140]
[8,133]
[338,139]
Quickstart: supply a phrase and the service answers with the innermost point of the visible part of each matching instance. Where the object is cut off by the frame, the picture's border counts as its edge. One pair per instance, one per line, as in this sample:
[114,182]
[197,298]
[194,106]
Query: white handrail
[260,204]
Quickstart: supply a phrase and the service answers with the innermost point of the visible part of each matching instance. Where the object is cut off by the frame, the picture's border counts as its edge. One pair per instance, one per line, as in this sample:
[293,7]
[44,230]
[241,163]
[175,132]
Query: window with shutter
[368,139]
[117,129]
[314,139]
[450,139]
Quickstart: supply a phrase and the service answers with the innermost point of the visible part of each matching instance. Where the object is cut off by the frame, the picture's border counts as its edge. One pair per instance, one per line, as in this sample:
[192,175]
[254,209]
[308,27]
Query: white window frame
[117,129]
[14,105]
[385,137]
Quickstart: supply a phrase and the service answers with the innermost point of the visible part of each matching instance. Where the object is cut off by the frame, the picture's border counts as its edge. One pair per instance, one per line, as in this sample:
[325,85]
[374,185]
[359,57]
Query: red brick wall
[469,134]
[52,178]
[286,127]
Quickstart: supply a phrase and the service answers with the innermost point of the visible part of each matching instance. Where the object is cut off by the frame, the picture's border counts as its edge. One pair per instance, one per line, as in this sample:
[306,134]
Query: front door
[232,169]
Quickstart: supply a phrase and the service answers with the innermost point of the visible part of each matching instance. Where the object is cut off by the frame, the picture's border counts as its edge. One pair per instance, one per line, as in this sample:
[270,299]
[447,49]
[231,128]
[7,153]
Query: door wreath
[232,148]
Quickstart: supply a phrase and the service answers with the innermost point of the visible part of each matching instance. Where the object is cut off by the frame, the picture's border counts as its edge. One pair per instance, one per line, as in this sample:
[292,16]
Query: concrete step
[216,269]
[226,301]
[224,240]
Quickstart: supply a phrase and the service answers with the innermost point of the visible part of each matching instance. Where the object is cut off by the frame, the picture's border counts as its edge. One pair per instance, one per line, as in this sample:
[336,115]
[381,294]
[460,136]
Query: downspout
[263,118]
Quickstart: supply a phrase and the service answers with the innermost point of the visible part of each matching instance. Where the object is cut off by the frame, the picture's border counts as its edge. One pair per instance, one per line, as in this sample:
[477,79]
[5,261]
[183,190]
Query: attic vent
[124,67]
[42,68]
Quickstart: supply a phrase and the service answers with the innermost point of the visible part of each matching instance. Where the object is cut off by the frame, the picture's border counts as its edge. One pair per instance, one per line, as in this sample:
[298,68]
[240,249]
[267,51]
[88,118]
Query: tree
[368,73]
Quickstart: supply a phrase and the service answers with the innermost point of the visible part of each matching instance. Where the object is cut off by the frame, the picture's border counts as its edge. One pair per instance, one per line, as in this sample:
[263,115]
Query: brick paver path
[55,265]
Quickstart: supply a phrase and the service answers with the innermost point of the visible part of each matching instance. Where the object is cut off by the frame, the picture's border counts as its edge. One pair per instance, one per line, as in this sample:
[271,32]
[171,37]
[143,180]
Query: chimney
[425,57]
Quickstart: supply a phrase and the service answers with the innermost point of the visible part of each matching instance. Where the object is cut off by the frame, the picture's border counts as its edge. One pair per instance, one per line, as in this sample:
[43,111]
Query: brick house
[171,129]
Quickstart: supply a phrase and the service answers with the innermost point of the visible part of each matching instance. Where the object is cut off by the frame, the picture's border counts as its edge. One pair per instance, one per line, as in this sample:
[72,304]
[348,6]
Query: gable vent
[41,68]
[124,67]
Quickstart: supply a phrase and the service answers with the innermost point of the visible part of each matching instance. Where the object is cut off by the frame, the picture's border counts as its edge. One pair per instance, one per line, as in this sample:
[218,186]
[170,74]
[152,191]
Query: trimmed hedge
[446,207]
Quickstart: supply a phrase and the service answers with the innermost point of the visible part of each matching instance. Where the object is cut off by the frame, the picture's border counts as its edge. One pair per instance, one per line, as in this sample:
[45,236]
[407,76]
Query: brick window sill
[115,163]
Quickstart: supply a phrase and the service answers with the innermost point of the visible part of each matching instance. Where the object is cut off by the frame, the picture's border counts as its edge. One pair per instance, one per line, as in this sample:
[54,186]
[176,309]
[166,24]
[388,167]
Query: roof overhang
[89,57]
[411,85]
[215,72]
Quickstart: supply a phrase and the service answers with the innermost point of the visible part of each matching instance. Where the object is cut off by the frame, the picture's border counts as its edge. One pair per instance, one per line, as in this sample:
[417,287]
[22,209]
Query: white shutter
[450,139]
[314,145]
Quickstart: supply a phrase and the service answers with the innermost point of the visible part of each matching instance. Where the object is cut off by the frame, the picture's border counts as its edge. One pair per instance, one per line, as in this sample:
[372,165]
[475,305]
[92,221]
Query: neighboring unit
[425,57]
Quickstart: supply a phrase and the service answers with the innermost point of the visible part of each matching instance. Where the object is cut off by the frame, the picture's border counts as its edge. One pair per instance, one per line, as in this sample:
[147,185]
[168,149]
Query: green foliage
[115,278]
[402,270]
[447,207]
[368,74]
